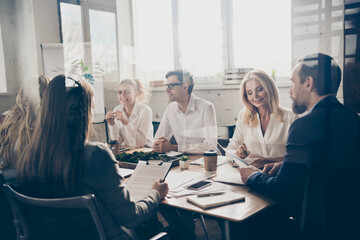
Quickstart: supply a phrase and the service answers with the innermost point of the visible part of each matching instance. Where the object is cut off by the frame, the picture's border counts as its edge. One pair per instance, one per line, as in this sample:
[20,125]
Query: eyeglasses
[171,86]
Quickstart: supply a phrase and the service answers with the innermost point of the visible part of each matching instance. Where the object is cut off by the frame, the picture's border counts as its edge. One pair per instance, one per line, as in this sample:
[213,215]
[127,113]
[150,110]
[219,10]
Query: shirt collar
[191,105]
[135,109]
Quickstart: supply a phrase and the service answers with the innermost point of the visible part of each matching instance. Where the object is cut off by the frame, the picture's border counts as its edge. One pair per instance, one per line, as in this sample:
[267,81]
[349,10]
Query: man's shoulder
[202,103]
[172,106]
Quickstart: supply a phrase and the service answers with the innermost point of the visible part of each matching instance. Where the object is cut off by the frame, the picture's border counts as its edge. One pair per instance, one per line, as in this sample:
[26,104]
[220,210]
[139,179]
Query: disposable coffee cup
[210,161]
[115,149]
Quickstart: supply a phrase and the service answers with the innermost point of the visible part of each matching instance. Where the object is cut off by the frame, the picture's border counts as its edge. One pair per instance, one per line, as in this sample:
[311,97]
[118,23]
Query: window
[200,37]
[3,87]
[208,36]
[154,50]
[262,35]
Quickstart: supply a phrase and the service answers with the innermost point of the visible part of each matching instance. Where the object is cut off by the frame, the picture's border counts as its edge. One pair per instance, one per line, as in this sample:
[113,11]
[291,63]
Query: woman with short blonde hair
[262,126]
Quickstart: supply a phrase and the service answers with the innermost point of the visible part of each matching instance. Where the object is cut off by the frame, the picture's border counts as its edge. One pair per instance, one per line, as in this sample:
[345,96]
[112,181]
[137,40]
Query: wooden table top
[237,212]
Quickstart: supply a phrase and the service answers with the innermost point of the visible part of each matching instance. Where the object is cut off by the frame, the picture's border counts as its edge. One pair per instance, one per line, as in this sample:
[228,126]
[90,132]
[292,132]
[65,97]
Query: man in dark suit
[318,183]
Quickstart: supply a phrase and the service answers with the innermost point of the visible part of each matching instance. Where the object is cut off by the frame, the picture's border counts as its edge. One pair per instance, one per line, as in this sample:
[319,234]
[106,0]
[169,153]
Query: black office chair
[7,228]
[62,218]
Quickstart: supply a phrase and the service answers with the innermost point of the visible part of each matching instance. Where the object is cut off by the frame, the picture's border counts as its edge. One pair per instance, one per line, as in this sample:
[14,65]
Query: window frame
[227,36]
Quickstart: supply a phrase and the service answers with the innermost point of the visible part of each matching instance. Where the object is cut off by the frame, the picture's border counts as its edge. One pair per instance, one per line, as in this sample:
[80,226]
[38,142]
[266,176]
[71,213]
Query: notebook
[217,200]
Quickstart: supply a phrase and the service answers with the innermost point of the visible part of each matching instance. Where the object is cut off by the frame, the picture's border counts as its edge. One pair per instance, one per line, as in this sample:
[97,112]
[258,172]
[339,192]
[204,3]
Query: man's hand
[261,162]
[272,168]
[162,188]
[109,117]
[245,172]
[162,145]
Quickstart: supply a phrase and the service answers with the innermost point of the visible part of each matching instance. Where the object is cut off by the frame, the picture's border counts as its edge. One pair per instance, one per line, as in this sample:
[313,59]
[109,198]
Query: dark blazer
[323,160]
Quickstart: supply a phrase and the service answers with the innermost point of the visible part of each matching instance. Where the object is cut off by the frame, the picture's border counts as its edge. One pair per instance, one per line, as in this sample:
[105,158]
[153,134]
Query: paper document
[125,172]
[221,160]
[144,176]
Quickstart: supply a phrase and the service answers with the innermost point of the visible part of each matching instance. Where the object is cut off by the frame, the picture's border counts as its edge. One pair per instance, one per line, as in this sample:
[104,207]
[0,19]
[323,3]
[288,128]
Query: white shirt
[272,144]
[138,132]
[195,130]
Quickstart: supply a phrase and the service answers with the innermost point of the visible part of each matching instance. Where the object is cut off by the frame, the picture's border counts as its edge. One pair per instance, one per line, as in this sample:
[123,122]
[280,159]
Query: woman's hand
[120,116]
[242,151]
[110,118]
[161,187]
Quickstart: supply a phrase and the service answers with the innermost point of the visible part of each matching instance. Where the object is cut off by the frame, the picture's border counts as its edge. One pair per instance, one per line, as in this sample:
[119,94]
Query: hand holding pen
[242,151]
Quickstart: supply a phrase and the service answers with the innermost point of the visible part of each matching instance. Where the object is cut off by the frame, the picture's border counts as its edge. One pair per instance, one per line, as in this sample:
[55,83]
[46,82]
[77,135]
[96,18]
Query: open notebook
[217,200]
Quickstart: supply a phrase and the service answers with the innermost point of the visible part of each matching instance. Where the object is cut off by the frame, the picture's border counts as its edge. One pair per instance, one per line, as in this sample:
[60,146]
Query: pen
[210,194]
[235,165]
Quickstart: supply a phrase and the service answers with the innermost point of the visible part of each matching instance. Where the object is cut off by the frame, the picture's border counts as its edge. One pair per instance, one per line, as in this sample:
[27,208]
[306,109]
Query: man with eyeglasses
[191,120]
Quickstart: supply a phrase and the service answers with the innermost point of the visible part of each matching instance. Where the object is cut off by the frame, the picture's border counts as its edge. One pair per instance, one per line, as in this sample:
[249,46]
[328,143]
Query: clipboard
[233,155]
[144,176]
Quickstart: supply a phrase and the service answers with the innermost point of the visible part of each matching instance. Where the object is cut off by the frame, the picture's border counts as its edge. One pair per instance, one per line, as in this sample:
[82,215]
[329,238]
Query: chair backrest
[7,228]
[61,218]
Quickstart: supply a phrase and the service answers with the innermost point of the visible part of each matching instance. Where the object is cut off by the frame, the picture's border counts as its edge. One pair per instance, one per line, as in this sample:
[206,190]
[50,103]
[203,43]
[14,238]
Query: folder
[217,200]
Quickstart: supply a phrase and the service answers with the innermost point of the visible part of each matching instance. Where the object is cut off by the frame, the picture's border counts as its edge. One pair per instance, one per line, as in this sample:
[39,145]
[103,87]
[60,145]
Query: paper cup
[210,161]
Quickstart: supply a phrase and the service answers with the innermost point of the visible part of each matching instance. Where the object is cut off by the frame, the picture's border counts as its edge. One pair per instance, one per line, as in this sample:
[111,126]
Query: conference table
[234,212]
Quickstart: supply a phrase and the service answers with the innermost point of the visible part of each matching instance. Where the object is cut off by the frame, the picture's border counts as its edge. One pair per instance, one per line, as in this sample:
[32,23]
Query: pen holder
[184,164]
[210,161]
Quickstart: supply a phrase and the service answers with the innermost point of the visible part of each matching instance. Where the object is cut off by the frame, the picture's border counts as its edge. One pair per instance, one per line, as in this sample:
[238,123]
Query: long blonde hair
[250,116]
[17,129]
[54,156]
[143,94]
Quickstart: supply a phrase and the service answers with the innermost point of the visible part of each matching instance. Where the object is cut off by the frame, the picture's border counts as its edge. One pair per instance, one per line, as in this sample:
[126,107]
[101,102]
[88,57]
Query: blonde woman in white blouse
[262,126]
[131,122]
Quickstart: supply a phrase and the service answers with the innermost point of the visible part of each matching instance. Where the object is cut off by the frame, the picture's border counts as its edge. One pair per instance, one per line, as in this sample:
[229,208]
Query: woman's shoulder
[288,114]
[143,107]
[241,114]
[97,150]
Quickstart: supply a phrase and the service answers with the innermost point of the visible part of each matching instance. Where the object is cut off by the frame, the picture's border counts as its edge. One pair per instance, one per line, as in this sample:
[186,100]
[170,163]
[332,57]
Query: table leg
[226,232]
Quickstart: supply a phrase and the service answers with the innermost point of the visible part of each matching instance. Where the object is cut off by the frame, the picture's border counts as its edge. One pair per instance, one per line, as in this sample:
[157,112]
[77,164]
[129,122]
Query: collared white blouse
[139,131]
[272,144]
[195,130]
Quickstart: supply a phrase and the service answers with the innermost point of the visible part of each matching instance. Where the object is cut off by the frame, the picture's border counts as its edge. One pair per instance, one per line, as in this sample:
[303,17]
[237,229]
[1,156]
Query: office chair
[32,222]
[61,218]
[7,228]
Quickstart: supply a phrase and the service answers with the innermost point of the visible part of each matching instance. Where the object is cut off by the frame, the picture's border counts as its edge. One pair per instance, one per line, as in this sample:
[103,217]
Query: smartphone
[199,185]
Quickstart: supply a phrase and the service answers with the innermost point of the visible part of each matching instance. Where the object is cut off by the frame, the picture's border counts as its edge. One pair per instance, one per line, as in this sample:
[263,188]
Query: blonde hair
[18,127]
[143,94]
[250,116]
